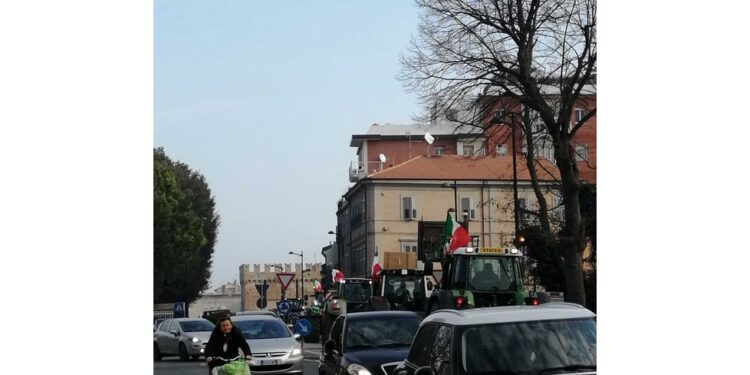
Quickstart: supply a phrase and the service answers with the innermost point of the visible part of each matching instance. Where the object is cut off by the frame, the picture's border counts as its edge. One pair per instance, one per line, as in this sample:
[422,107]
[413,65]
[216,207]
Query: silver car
[275,349]
[185,337]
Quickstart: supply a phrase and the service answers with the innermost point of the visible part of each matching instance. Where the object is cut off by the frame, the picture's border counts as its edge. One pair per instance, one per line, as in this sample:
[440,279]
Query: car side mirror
[401,369]
[174,333]
[297,336]
[425,370]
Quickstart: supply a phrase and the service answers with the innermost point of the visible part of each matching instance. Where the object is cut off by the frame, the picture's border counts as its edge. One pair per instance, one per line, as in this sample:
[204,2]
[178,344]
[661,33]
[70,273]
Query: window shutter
[408,211]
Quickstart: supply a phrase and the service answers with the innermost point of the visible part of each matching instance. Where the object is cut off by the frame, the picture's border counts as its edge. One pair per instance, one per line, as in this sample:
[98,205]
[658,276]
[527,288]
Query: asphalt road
[173,366]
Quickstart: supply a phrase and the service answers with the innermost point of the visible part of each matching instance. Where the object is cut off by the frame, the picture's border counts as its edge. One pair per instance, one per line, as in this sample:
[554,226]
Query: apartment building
[381,212]
[406,173]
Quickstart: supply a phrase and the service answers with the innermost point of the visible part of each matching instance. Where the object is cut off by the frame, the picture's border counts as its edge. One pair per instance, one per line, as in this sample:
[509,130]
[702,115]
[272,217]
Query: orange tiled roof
[458,167]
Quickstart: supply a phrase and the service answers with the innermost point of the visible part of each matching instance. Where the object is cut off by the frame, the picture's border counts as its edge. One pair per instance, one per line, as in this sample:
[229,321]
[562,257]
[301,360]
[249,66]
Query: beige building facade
[382,211]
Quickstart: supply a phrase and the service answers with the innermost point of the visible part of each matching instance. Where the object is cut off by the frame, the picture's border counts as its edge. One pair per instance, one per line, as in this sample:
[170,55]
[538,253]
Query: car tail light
[532,301]
[460,302]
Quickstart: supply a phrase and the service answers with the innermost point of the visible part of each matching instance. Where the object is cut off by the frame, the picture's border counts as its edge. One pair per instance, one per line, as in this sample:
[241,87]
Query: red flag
[375,265]
[318,286]
[336,275]
[458,235]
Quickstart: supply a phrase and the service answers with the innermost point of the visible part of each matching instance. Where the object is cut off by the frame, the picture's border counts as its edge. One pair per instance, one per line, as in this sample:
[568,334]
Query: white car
[275,349]
[552,338]
[185,337]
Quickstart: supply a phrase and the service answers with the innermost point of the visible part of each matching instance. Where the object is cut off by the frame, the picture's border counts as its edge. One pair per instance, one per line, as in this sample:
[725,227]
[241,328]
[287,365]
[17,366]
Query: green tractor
[351,295]
[480,277]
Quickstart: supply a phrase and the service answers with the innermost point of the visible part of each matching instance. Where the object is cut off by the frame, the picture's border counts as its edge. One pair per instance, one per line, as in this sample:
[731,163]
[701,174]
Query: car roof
[255,312]
[239,318]
[508,314]
[189,319]
[367,315]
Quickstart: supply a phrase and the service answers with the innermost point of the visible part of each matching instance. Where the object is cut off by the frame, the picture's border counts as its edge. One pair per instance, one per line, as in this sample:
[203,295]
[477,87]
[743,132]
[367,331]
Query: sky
[262,98]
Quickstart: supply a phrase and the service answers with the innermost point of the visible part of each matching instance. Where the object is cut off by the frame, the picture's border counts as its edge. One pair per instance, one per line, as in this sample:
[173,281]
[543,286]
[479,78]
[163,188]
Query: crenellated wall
[248,279]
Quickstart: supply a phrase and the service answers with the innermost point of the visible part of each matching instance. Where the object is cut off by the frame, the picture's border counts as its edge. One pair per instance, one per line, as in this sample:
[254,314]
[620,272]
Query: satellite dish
[429,138]
[382,158]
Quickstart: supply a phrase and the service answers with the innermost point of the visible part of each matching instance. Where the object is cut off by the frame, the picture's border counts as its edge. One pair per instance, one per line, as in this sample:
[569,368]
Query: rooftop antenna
[408,135]
[382,160]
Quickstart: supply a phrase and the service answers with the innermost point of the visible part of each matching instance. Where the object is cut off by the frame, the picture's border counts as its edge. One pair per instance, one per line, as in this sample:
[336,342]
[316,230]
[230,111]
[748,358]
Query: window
[523,206]
[528,347]
[580,113]
[440,355]
[468,150]
[408,208]
[419,353]
[440,150]
[467,209]
[474,241]
[558,210]
[582,152]
[537,125]
[409,246]
[501,150]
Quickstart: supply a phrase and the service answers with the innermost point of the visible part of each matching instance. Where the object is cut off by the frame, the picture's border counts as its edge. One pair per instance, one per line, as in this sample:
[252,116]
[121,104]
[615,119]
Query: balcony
[357,171]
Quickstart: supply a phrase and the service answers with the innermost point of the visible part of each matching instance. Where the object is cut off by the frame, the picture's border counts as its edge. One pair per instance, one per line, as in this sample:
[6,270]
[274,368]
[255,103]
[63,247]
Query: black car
[368,342]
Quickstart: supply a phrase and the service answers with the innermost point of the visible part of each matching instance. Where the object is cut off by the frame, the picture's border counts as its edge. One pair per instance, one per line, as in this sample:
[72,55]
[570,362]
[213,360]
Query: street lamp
[515,175]
[339,246]
[302,273]
[454,186]
[500,118]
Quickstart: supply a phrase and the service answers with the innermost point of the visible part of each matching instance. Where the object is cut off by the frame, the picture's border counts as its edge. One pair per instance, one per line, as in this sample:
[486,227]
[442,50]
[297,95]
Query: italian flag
[336,275]
[456,233]
[318,286]
[375,265]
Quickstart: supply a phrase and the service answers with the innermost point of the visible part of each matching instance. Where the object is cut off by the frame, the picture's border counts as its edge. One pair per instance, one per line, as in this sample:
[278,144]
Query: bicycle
[232,366]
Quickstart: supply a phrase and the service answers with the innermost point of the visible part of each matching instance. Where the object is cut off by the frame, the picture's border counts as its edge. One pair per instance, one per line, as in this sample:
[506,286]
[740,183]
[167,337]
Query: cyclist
[225,342]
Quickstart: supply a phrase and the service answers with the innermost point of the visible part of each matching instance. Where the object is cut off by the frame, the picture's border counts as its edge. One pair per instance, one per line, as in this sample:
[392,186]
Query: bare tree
[479,56]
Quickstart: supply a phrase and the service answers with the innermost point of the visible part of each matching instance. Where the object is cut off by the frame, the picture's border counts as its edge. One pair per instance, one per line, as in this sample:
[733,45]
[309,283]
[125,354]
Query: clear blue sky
[263,97]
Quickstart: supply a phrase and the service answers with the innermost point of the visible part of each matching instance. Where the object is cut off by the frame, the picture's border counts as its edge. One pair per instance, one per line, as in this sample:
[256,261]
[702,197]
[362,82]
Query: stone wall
[249,278]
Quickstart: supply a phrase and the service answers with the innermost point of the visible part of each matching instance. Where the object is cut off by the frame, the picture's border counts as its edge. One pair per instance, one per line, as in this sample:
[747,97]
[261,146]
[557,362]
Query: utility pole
[515,175]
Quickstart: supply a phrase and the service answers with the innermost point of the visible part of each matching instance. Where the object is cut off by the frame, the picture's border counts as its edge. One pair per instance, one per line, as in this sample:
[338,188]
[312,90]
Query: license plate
[269,362]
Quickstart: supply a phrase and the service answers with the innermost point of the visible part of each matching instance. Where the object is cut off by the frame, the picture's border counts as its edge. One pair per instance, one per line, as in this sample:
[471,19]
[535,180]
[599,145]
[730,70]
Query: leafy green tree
[185,231]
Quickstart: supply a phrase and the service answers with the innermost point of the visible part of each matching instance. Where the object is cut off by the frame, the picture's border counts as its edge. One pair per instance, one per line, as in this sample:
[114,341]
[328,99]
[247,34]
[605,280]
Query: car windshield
[356,292]
[490,273]
[529,347]
[385,331]
[262,329]
[196,326]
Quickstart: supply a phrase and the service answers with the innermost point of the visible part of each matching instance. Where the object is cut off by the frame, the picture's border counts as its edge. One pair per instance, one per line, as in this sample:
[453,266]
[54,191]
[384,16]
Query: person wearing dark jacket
[225,342]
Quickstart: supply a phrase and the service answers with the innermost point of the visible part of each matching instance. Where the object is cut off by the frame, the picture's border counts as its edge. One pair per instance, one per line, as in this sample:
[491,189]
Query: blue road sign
[303,327]
[179,309]
[284,307]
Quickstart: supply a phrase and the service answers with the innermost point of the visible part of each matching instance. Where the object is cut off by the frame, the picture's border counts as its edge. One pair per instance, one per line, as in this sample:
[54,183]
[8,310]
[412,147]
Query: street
[173,366]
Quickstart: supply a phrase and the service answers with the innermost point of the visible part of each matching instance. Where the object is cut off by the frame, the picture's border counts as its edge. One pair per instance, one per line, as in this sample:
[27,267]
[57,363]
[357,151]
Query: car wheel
[157,353]
[182,350]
